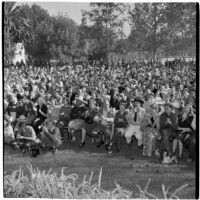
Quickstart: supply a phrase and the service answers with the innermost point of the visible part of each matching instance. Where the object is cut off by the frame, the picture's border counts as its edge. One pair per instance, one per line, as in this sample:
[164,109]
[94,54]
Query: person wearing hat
[135,117]
[168,125]
[25,134]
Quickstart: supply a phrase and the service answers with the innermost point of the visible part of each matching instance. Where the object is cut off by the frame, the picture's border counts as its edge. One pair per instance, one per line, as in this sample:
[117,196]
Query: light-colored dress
[149,128]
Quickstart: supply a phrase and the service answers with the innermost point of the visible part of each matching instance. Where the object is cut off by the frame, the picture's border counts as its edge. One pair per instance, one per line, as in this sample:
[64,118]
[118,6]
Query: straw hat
[22,118]
[138,99]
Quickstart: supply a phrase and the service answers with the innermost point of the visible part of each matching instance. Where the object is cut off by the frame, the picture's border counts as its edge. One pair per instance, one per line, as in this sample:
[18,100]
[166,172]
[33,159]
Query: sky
[73,10]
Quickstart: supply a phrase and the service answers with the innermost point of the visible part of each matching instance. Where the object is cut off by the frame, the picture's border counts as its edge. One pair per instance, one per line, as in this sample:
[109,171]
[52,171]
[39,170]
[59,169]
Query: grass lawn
[116,167]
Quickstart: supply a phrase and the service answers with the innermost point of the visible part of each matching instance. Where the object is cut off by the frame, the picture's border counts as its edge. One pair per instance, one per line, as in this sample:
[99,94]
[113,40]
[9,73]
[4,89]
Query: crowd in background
[156,104]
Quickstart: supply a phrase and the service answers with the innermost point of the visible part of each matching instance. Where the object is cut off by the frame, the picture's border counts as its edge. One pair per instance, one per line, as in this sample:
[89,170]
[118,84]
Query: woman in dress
[185,132]
[150,127]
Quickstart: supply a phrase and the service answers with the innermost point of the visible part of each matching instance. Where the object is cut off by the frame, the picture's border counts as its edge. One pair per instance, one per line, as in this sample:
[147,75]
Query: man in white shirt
[135,117]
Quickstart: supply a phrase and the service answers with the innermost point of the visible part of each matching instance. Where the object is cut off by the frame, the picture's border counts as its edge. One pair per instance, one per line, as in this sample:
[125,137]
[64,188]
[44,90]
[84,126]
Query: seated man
[50,136]
[120,125]
[135,117]
[25,134]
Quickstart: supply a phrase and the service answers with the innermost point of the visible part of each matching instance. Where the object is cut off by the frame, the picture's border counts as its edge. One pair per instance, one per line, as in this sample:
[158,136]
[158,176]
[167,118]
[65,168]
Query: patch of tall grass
[48,184]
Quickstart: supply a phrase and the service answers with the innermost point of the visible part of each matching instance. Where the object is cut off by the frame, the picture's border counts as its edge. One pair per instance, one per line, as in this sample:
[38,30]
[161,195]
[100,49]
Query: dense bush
[42,184]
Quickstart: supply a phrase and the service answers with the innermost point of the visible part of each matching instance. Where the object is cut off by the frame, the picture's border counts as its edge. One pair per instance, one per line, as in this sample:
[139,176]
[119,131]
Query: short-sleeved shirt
[27,132]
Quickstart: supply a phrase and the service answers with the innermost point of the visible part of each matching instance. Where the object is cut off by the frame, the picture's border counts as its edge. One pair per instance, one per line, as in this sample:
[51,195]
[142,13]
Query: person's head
[79,102]
[122,106]
[22,125]
[51,124]
[185,112]
[193,94]
[13,100]
[70,90]
[185,92]
[153,109]
[22,121]
[106,104]
[162,88]
[40,101]
[7,120]
[138,102]
[79,91]
[30,106]
[32,95]
[150,98]
[173,89]
[168,108]
[92,103]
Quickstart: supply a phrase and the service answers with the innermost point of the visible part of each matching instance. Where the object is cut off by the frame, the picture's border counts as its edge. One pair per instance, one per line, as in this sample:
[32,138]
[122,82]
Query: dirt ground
[116,167]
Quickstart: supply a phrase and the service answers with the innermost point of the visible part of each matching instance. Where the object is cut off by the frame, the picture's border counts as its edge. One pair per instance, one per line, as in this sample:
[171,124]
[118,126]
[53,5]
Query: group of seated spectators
[156,104]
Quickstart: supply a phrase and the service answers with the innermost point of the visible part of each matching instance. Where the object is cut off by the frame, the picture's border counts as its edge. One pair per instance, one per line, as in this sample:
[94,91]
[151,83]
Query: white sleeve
[193,125]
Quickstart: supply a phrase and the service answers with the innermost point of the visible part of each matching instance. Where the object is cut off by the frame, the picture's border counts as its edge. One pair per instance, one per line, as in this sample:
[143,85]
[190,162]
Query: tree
[107,17]
[163,27]
[147,22]
[16,27]
[181,28]
[53,37]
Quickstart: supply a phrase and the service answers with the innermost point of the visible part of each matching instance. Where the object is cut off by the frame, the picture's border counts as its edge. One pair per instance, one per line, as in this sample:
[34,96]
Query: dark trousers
[166,140]
[117,137]
[192,146]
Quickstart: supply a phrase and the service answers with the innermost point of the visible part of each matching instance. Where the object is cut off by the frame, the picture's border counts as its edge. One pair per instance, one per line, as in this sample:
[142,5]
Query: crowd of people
[154,103]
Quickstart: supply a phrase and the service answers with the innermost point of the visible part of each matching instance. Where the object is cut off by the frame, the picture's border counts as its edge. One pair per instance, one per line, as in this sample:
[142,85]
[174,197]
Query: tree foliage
[163,27]
[157,29]
[105,20]
[16,28]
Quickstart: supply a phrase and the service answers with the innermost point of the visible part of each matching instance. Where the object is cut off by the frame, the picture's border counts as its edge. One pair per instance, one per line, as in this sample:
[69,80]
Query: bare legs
[178,143]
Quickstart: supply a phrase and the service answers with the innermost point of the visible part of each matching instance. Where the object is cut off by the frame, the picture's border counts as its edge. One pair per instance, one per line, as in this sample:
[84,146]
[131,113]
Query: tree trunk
[154,34]
[107,33]
[73,60]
